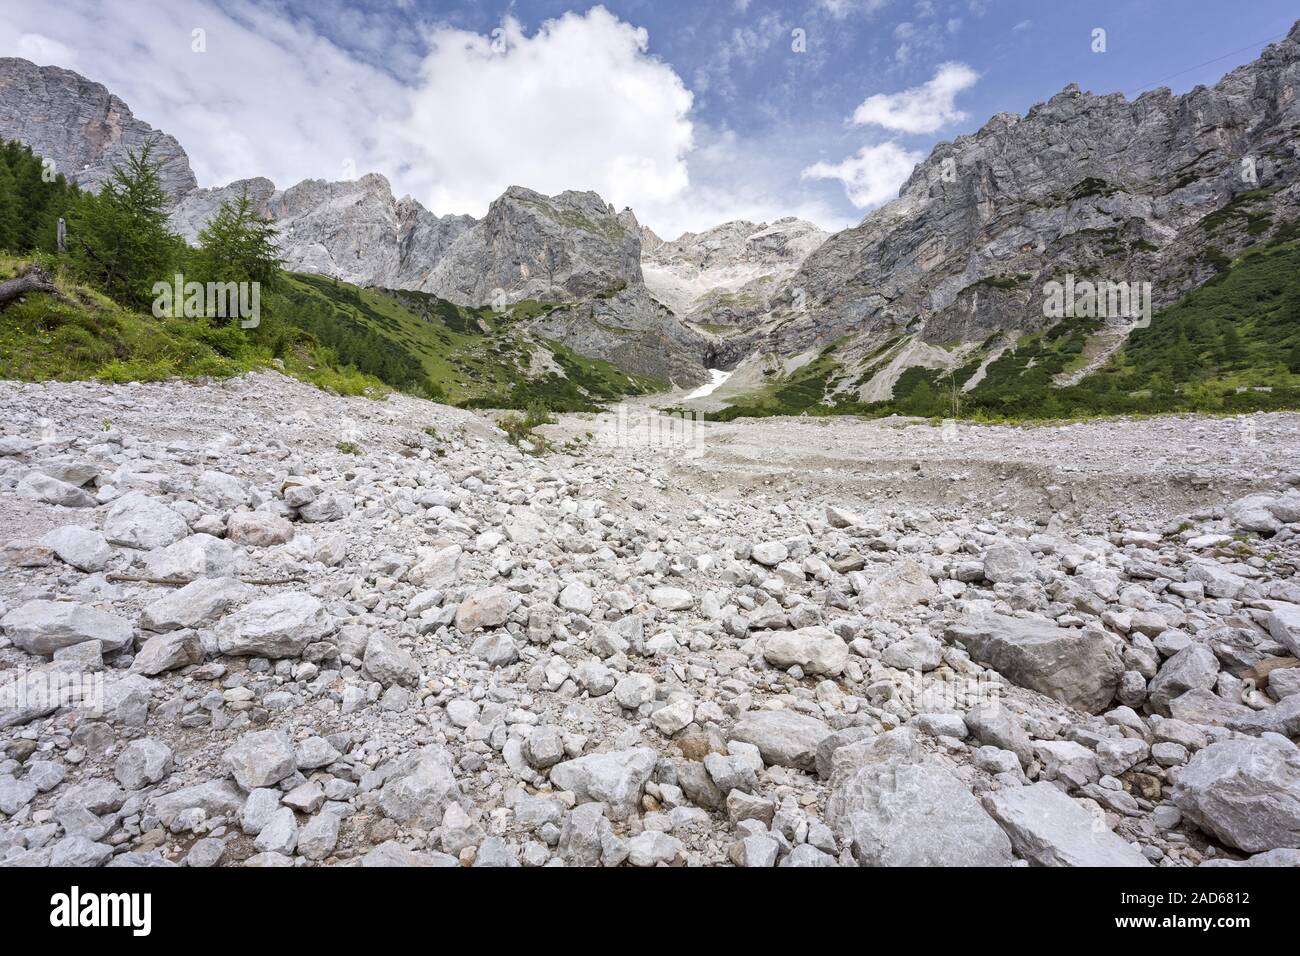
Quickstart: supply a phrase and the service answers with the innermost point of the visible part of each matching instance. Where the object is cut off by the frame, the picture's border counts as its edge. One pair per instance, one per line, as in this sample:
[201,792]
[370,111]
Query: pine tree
[120,238]
[8,209]
[238,245]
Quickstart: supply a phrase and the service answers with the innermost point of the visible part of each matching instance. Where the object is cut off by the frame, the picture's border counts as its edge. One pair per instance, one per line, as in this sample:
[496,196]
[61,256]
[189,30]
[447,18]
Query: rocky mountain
[632,330]
[1158,189]
[531,246]
[946,282]
[354,231]
[727,274]
[82,127]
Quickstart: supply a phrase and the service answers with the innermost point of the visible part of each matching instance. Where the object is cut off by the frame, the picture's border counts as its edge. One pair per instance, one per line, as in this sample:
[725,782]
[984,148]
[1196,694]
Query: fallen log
[31,279]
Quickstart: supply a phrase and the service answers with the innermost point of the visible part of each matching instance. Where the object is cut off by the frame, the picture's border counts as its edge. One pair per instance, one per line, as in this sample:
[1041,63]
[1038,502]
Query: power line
[1160,82]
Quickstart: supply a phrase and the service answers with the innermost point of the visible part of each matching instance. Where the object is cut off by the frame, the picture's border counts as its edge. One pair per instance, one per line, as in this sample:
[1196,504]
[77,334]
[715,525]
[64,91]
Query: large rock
[1004,561]
[901,586]
[52,491]
[436,568]
[1283,623]
[143,762]
[138,521]
[1048,828]
[389,664]
[817,650]
[330,506]
[1078,668]
[258,529]
[261,758]
[167,652]
[616,778]
[1245,793]
[42,627]
[489,607]
[420,788]
[783,737]
[1193,668]
[199,602]
[198,556]
[280,626]
[213,797]
[84,549]
[898,807]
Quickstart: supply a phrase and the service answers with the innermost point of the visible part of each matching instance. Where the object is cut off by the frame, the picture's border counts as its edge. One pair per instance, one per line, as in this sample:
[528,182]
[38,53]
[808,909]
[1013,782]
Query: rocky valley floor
[392,638]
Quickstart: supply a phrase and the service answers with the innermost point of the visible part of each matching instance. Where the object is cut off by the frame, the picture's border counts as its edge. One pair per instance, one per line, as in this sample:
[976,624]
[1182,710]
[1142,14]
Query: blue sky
[691,112]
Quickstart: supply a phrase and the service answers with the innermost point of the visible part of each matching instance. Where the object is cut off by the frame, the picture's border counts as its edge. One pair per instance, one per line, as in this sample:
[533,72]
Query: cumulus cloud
[577,105]
[872,175]
[452,117]
[921,109]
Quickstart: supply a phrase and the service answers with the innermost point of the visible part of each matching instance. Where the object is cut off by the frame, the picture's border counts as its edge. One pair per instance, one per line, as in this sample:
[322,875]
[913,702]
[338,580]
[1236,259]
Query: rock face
[633,331]
[725,275]
[81,126]
[354,231]
[1246,793]
[1078,668]
[1013,200]
[530,246]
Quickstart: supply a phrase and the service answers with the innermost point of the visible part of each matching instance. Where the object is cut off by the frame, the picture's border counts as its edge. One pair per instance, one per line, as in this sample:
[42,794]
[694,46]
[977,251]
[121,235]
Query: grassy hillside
[332,334]
[1232,345]
[83,334]
[471,357]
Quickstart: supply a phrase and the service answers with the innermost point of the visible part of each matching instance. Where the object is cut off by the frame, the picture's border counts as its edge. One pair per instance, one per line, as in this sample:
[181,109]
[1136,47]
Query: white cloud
[577,105]
[580,103]
[41,49]
[839,9]
[872,175]
[921,109]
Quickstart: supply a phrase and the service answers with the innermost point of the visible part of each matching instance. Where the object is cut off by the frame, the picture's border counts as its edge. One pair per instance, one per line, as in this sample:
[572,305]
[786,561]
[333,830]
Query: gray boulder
[42,627]
[137,520]
[897,807]
[261,758]
[84,549]
[1048,828]
[616,778]
[817,650]
[1078,668]
[1245,792]
[198,603]
[279,626]
[783,737]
